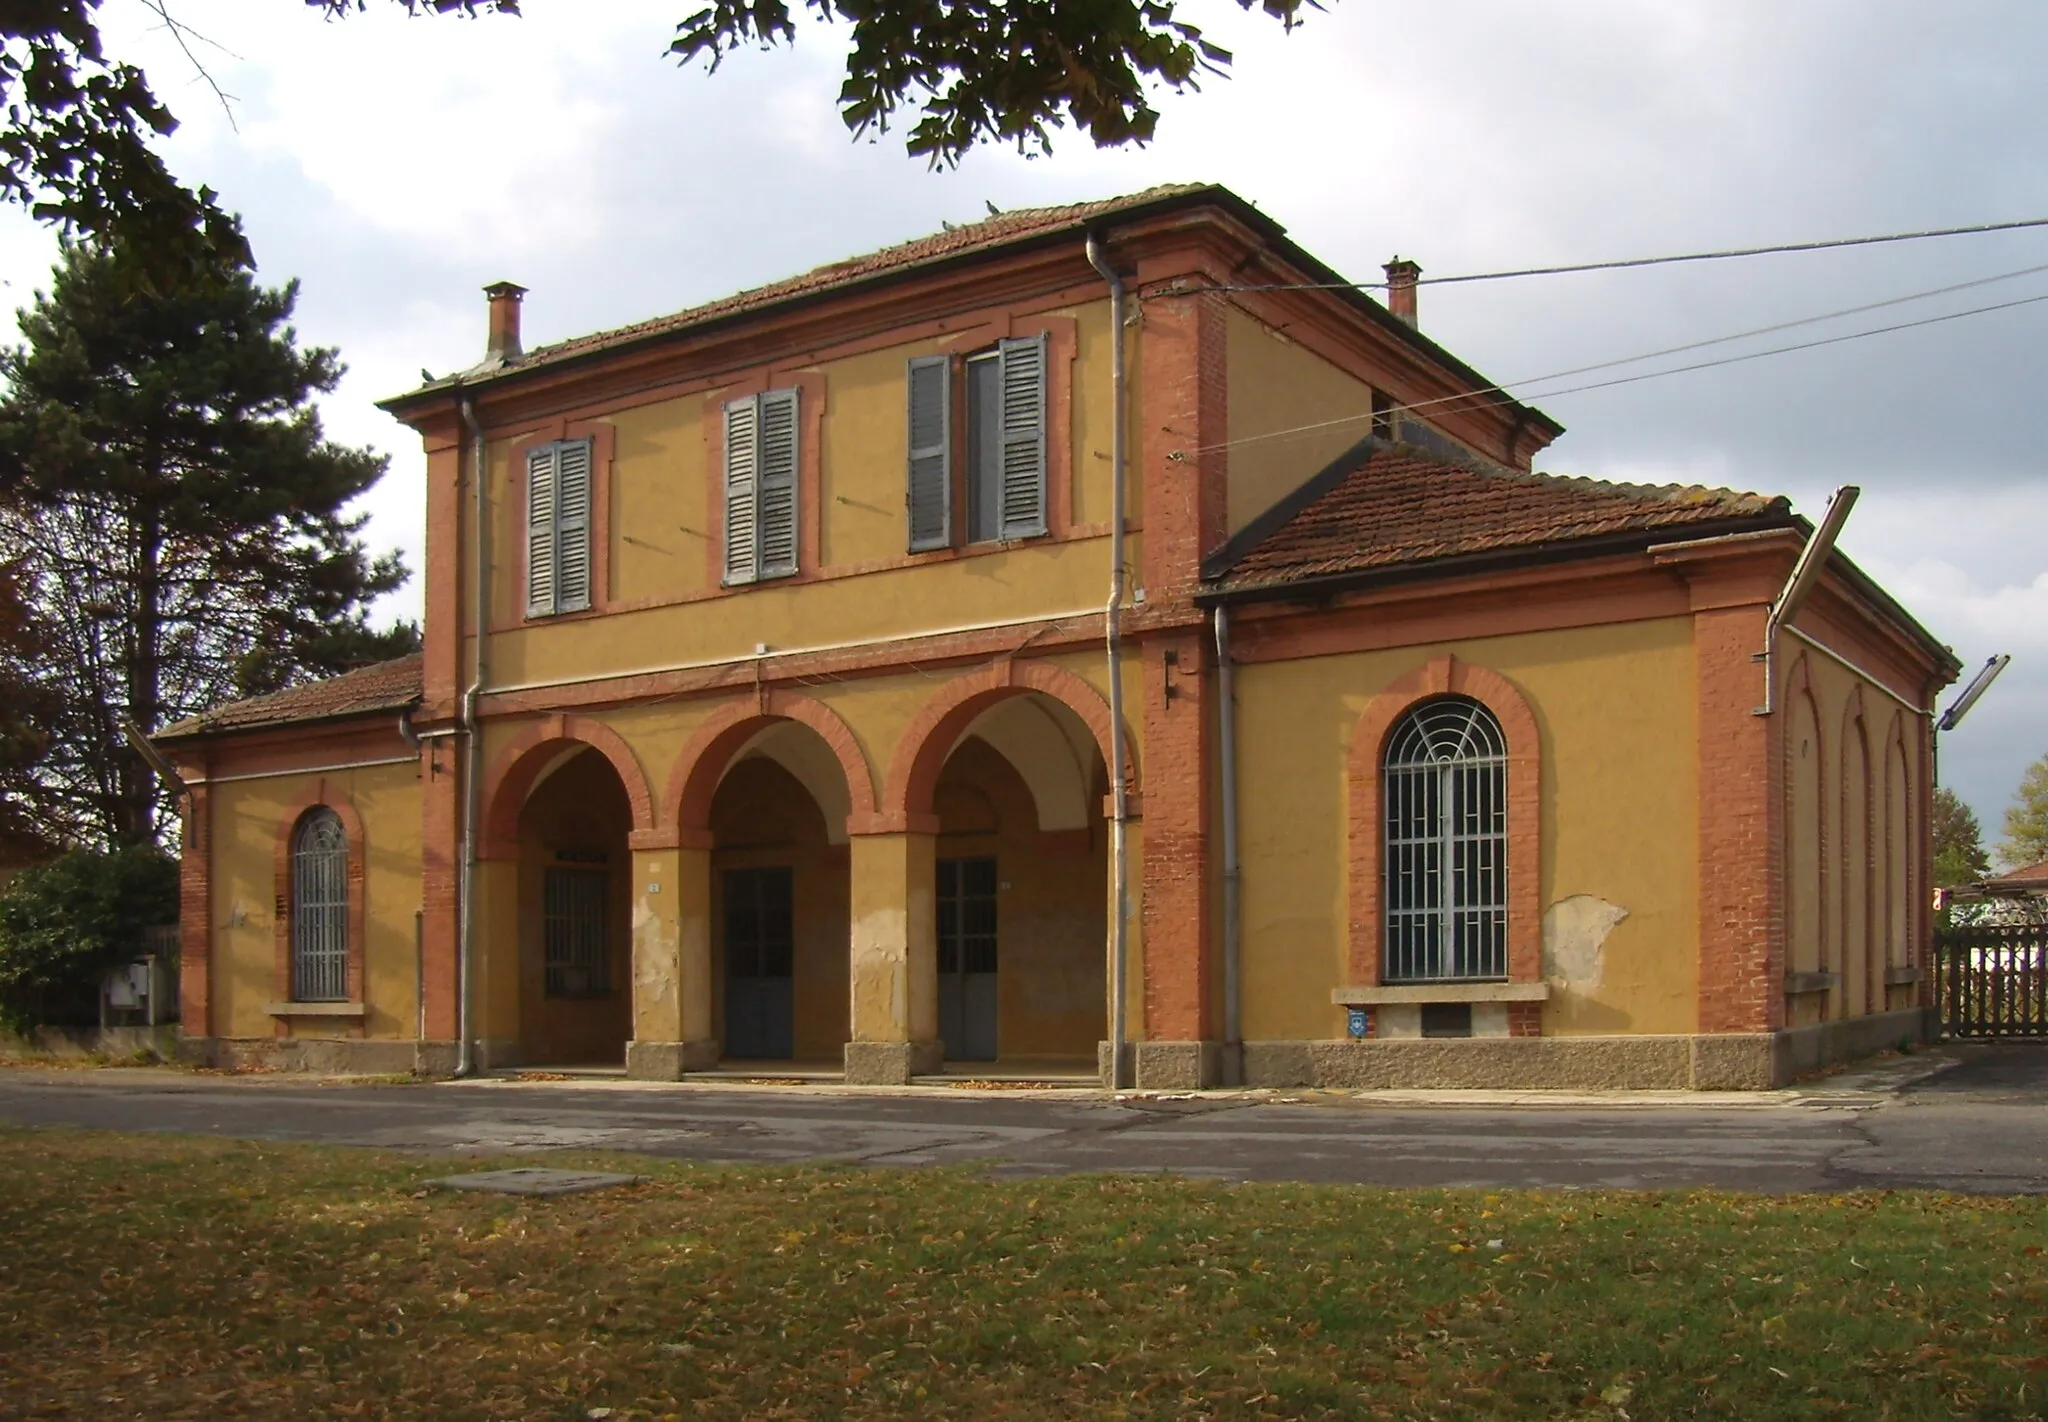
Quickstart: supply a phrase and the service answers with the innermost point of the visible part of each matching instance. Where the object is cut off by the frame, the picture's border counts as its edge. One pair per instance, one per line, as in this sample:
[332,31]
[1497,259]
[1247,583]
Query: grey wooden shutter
[742,464]
[930,488]
[777,484]
[1024,402]
[540,531]
[572,525]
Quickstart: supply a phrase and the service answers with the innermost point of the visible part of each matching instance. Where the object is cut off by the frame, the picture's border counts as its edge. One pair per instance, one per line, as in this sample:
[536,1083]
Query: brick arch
[1899,898]
[686,800]
[326,794]
[1799,686]
[521,762]
[1448,676]
[1859,879]
[929,738]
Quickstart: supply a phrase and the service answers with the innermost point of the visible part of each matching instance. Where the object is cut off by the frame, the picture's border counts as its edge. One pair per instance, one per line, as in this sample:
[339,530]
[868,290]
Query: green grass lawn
[171,1276]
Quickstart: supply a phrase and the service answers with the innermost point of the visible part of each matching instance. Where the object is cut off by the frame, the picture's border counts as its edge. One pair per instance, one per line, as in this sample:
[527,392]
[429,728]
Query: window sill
[1801,984]
[1440,992]
[317,1009]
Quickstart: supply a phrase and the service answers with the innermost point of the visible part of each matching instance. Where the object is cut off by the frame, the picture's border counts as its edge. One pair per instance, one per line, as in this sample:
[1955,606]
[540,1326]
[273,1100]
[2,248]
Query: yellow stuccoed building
[1094,640]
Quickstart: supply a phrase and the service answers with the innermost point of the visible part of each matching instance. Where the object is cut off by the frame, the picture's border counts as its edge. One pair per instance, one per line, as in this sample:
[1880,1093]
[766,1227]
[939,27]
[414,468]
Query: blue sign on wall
[1361,1022]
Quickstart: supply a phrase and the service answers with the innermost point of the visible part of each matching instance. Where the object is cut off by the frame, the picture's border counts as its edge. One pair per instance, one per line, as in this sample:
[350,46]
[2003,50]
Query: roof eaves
[1108,216]
[595,346]
[1318,587]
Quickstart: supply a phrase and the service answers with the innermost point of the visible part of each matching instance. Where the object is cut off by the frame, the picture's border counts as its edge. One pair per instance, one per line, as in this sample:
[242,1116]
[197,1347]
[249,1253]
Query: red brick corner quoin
[1447,676]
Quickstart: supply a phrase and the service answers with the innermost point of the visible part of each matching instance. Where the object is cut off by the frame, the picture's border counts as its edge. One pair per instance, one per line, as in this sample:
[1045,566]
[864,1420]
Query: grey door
[759,947]
[967,959]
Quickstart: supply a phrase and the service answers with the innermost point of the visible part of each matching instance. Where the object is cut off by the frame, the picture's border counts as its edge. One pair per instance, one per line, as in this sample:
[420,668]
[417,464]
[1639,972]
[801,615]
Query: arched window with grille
[1444,797]
[320,908]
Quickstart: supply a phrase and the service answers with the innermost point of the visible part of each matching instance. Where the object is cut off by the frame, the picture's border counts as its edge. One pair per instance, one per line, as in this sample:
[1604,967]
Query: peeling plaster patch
[1575,936]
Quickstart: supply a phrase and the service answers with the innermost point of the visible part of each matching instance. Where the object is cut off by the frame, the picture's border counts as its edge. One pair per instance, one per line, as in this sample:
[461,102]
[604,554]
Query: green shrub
[65,923]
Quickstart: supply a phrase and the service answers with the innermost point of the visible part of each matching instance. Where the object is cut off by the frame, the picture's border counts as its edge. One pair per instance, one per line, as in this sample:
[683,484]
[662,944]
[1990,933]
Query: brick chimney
[1402,275]
[503,344]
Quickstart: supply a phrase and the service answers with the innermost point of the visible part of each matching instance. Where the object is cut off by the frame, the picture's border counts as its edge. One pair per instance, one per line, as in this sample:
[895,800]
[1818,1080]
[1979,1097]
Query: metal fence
[1991,980]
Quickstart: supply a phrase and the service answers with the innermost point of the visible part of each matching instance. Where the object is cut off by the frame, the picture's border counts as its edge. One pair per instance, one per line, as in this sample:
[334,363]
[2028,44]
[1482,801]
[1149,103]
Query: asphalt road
[1979,1125]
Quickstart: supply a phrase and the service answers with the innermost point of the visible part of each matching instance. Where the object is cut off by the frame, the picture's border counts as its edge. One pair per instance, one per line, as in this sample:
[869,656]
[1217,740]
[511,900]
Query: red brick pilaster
[440,879]
[1180,952]
[1177,437]
[195,917]
[443,625]
[1525,1019]
[1741,828]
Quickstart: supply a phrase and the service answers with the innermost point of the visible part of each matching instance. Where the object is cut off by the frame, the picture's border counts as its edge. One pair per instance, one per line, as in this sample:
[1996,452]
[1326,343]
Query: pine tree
[177,520]
[2026,819]
[1959,856]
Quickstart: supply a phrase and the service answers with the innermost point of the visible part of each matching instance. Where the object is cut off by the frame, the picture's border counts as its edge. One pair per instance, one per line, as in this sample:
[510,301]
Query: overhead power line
[1480,393]
[1624,263]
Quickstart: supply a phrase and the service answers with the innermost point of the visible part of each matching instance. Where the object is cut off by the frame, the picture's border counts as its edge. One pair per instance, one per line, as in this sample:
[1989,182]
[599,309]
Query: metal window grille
[1445,801]
[577,954]
[320,909]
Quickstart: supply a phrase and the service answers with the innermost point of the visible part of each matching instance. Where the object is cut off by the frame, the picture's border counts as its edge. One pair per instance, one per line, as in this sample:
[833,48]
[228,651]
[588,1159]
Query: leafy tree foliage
[75,147]
[1959,856]
[2026,819]
[176,518]
[65,923]
[1007,71]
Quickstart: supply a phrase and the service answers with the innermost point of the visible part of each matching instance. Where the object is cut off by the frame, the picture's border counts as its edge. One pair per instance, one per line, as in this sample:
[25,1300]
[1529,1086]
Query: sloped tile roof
[384,686]
[1384,505]
[996,231]
[2030,876]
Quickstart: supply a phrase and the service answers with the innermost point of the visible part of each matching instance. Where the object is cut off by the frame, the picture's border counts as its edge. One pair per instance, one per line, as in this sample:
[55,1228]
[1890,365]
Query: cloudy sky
[394,166]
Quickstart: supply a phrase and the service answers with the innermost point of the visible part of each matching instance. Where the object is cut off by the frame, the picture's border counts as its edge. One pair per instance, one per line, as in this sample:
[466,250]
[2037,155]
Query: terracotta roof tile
[997,231]
[1384,505]
[2027,876]
[385,686]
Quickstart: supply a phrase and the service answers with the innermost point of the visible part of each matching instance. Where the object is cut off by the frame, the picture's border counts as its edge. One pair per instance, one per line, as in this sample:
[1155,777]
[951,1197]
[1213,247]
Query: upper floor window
[996,475]
[1445,802]
[558,559]
[319,908]
[761,466]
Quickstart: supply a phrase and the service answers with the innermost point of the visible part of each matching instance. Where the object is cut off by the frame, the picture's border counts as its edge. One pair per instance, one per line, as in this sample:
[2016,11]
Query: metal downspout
[1119,989]
[1226,712]
[473,759]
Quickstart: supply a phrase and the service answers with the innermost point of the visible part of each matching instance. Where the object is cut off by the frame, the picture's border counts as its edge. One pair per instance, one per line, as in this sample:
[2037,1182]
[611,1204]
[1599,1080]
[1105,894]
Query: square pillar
[894,959]
[496,1002]
[1182,1046]
[1741,916]
[671,965]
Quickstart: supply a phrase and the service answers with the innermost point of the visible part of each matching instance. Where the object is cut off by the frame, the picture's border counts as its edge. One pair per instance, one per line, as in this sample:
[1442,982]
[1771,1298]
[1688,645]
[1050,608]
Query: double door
[760,952]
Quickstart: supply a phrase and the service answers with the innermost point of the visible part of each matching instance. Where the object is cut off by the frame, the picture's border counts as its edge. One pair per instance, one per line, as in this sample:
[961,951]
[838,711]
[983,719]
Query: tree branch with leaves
[76,145]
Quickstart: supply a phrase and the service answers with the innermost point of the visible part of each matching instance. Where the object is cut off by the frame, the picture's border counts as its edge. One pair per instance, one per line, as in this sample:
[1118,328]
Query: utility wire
[1481,391]
[1828,244]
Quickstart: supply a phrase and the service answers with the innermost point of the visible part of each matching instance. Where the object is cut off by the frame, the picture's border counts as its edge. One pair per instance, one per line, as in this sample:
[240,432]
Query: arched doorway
[1021,887]
[574,913]
[780,909]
